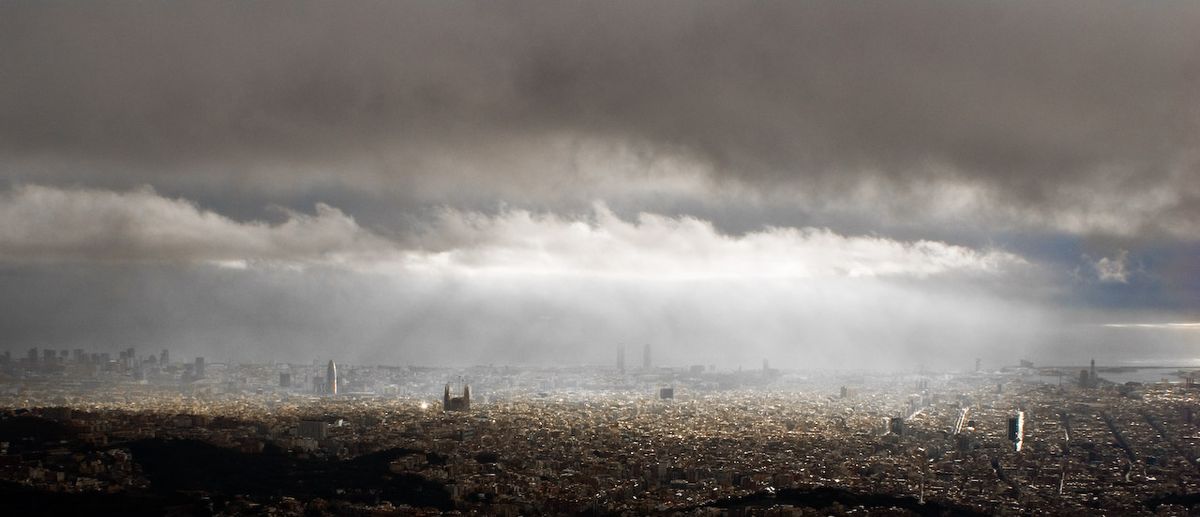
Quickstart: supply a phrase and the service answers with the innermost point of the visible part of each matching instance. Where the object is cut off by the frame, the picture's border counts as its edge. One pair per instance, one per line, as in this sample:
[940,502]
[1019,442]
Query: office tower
[666,393]
[48,356]
[33,355]
[331,380]
[1014,428]
[897,426]
[285,380]
[199,369]
[621,358]
[1092,376]
[164,358]
[646,357]
[766,366]
[1084,379]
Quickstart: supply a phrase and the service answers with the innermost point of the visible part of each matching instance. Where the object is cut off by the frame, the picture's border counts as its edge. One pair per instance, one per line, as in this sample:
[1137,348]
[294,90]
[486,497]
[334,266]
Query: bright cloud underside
[44,223]
[521,242]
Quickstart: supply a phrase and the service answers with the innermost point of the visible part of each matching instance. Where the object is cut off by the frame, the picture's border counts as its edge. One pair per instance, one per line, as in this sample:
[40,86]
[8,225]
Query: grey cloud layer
[1078,115]
[88,225]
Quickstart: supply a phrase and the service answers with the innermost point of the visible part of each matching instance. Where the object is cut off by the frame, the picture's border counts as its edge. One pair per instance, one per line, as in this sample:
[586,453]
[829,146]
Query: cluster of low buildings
[521,441]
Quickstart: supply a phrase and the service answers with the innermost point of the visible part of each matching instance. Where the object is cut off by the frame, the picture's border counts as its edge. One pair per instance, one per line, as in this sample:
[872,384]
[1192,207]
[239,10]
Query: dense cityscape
[143,434]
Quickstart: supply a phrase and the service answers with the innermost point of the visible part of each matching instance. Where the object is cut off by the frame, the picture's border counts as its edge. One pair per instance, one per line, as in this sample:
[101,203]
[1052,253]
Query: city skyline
[108,436]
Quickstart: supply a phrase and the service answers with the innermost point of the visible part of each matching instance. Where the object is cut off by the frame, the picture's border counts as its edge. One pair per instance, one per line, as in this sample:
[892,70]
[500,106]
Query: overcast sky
[824,184]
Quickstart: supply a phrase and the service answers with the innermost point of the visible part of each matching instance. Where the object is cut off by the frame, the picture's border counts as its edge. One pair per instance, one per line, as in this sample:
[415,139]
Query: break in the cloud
[1113,269]
[90,225]
[1162,326]
[1083,117]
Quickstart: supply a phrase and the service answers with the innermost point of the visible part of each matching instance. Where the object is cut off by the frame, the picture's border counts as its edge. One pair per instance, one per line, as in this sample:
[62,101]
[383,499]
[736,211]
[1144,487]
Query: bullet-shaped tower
[331,384]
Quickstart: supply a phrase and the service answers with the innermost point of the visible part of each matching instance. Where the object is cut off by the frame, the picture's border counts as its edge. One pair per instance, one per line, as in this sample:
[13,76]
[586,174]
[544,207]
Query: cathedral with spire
[462,403]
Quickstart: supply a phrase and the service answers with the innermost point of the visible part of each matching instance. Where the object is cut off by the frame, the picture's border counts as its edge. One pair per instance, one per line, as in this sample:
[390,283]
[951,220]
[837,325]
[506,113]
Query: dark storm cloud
[1080,116]
[504,181]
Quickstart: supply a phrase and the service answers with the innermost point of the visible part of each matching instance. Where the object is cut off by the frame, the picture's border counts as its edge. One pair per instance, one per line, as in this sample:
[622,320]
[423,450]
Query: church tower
[462,403]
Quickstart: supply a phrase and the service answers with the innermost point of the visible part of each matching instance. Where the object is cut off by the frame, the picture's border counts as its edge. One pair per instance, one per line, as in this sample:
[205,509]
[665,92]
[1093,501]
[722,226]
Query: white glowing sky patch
[654,246]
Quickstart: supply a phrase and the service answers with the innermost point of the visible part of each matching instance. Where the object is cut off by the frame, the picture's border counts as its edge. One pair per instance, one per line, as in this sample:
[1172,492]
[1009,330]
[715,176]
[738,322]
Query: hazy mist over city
[821,184]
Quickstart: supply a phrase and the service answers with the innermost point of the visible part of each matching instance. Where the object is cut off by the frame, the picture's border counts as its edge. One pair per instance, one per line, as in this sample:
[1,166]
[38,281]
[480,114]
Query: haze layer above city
[826,185]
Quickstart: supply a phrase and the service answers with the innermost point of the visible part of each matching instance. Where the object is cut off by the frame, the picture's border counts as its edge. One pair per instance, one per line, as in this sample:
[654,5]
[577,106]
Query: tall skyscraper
[646,357]
[164,358]
[199,369]
[331,384]
[621,358]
